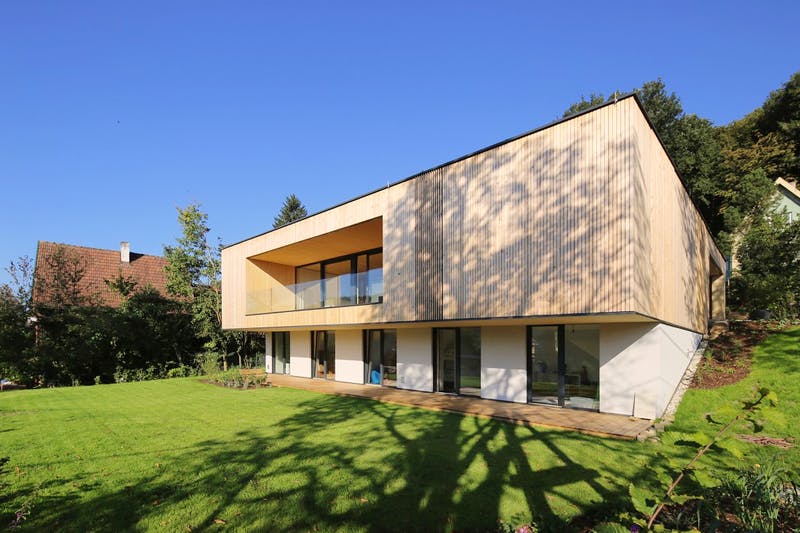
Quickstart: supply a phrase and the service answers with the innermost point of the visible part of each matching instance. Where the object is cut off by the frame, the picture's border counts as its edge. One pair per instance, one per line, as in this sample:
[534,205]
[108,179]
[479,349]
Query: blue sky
[113,114]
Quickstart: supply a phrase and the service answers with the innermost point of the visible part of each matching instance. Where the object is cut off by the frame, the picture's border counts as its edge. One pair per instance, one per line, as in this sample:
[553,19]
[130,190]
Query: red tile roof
[101,265]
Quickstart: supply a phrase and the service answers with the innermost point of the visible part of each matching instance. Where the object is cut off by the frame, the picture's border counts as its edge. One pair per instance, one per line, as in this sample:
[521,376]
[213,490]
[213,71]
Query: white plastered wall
[504,375]
[414,361]
[300,353]
[641,366]
[349,356]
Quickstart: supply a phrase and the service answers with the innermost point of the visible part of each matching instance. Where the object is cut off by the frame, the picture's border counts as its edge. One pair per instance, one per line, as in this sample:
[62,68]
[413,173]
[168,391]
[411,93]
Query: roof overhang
[359,237]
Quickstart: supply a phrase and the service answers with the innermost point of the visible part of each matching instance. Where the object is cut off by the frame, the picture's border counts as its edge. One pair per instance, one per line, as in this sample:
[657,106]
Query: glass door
[446,360]
[469,361]
[381,357]
[582,367]
[280,352]
[389,360]
[324,355]
[545,360]
[374,338]
[564,366]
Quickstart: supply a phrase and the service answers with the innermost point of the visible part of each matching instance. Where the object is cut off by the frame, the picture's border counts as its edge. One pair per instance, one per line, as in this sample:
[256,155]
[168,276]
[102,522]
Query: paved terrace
[603,424]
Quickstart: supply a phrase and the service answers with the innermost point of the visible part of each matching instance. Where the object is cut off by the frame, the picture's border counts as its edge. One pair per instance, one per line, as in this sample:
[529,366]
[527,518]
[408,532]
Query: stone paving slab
[602,424]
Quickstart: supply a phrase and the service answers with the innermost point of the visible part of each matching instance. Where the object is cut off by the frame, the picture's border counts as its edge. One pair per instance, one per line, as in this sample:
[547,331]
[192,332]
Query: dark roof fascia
[592,109]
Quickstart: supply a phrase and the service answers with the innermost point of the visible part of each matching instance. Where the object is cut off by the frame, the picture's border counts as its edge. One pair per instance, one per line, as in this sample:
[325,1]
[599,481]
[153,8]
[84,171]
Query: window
[564,366]
[350,280]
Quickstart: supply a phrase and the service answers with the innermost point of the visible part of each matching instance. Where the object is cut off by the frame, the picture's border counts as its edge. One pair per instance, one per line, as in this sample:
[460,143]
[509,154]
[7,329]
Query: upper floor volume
[585,217]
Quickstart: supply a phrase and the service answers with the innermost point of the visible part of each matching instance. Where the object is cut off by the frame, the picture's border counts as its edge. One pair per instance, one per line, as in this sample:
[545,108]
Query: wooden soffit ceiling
[356,238]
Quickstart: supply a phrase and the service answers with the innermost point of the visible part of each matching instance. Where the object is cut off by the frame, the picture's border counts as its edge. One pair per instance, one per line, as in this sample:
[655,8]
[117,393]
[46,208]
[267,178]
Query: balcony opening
[339,268]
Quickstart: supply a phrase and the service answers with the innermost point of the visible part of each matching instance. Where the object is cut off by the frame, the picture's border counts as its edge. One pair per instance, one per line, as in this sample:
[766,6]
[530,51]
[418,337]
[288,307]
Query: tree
[291,210]
[194,277]
[21,273]
[59,283]
[781,115]
[594,99]
[769,262]
[16,337]
[16,333]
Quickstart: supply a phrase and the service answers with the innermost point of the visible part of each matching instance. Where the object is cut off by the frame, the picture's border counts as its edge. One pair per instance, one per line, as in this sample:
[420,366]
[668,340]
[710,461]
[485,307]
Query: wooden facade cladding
[583,217]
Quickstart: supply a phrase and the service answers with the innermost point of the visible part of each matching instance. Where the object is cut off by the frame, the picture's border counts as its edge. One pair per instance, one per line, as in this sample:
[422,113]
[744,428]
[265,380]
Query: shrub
[182,371]
[759,496]
[209,364]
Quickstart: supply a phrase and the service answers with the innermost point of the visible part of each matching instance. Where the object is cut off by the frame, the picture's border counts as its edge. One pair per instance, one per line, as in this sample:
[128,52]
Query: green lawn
[776,365]
[177,454]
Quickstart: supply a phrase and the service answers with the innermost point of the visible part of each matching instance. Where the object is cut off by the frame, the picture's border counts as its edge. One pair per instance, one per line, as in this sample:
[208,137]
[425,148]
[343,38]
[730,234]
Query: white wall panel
[641,366]
[349,356]
[300,353]
[503,370]
[414,359]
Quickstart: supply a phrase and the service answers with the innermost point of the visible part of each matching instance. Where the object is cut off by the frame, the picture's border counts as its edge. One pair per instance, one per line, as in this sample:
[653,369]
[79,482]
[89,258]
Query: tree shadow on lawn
[354,464]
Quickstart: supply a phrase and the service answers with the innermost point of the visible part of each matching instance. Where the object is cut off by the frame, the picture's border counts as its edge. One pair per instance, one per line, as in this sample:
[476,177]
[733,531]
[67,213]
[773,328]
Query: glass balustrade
[333,286]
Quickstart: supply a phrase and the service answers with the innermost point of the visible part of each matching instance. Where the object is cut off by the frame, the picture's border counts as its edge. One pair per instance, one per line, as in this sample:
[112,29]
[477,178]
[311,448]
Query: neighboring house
[788,198]
[566,267]
[98,266]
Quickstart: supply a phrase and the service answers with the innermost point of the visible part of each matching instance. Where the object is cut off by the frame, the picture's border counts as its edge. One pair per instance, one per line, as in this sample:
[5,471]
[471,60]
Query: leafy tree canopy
[194,277]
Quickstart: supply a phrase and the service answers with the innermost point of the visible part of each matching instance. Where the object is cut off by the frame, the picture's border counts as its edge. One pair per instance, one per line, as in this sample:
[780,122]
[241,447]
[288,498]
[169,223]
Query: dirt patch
[730,355]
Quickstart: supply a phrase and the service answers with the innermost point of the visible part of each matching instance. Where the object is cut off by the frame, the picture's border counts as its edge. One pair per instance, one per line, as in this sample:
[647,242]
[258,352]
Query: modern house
[566,267]
[90,268]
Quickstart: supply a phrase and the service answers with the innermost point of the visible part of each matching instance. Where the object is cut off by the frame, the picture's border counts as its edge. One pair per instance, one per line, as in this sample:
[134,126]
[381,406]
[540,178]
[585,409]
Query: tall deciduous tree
[292,209]
[594,99]
[58,283]
[194,277]
[769,262]
[781,115]
[16,333]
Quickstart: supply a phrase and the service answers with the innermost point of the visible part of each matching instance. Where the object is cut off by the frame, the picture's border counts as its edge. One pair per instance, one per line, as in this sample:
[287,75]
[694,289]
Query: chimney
[125,252]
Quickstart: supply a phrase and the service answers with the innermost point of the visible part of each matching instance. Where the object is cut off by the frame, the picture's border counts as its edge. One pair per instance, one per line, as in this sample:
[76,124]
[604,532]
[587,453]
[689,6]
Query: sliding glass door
[324,361]
[457,354]
[582,367]
[280,352]
[381,357]
[564,366]
[446,360]
[544,365]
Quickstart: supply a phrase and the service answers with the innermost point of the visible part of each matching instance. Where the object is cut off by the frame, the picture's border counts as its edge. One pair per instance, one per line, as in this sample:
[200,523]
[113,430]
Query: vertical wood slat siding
[428,238]
[399,253]
[676,247]
[541,225]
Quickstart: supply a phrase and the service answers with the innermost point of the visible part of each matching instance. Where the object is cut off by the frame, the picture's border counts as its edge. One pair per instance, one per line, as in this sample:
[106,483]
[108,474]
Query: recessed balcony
[340,268]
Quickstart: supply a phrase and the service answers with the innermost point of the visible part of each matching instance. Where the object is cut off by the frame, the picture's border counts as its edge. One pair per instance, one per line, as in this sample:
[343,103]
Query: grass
[183,455]
[167,455]
[776,365]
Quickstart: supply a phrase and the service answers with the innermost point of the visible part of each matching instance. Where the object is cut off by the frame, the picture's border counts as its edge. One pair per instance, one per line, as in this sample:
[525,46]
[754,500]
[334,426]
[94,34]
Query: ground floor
[627,368]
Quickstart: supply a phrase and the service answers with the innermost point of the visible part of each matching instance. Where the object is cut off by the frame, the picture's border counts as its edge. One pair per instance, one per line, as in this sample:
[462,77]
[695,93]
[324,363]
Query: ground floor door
[457,360]
[564,366]
[324,355]
[381,357]
[280,352]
